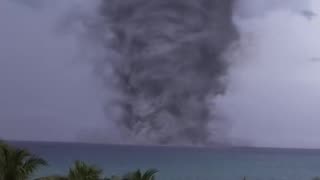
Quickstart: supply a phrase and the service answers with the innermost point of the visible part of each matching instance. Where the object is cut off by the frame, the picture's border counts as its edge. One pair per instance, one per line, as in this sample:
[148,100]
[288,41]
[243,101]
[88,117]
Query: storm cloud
[270,94]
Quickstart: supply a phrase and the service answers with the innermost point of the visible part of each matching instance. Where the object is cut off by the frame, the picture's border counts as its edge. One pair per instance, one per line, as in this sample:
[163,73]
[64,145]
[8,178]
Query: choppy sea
[176,163]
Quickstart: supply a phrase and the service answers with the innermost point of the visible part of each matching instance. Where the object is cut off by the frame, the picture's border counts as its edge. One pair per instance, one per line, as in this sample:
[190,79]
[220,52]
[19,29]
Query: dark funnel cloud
[167,66]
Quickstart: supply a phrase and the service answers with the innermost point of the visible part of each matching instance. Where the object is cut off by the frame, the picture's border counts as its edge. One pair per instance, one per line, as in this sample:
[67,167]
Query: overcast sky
[47,93]
[274,94]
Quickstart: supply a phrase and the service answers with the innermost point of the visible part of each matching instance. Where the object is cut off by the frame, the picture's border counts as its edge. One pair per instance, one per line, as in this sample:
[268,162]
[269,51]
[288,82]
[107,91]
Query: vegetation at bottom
[20,164]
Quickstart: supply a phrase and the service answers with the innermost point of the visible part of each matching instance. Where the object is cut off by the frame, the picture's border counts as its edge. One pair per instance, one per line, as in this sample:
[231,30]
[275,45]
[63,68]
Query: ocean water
[182,163]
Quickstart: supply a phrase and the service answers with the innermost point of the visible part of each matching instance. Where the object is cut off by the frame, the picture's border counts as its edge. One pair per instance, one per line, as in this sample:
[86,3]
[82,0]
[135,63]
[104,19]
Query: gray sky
[274,94]
[46,93]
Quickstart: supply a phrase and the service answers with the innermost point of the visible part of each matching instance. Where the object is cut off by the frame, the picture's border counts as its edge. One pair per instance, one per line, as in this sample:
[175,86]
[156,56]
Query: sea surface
[176,163]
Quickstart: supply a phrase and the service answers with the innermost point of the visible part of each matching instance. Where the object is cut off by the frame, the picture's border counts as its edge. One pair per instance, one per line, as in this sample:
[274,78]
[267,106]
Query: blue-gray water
[183,163]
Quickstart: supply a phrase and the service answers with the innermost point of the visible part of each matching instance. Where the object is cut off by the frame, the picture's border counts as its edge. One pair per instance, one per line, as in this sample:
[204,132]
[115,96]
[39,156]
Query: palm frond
[149,174]
[33,163]
[17,164]
[138,175]
[83,171]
